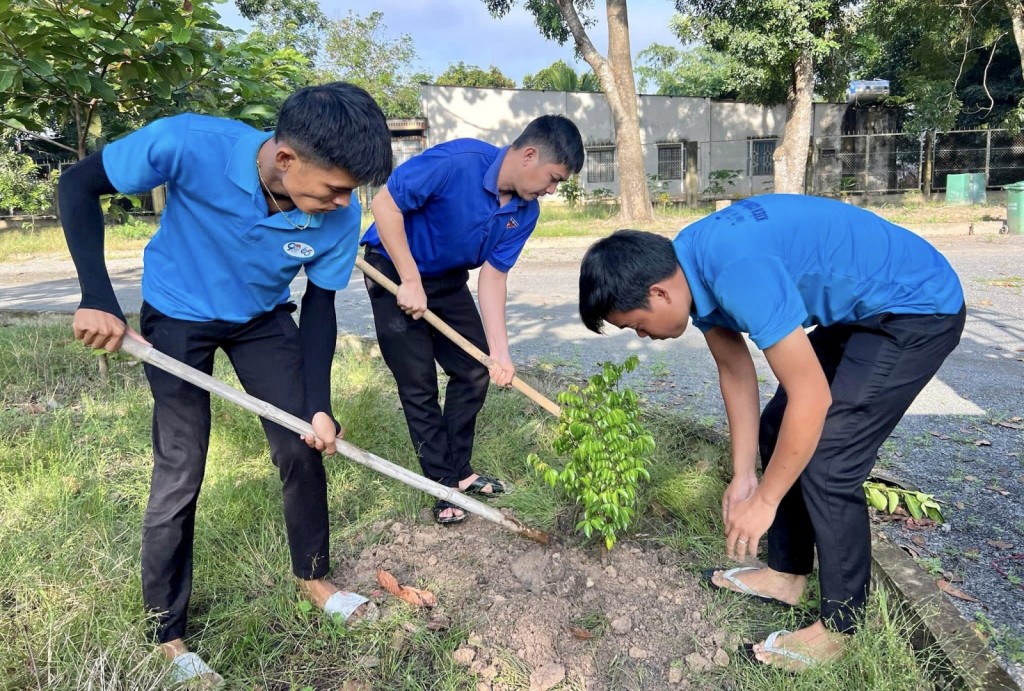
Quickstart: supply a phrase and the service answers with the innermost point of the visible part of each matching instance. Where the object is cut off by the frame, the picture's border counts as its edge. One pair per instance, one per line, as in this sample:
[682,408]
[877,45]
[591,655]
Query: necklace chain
[273,198]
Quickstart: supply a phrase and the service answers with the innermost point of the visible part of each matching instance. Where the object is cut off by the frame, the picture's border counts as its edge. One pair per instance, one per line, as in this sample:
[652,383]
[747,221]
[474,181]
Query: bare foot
[319,591]
[787,587]
[815,642]
[172,649]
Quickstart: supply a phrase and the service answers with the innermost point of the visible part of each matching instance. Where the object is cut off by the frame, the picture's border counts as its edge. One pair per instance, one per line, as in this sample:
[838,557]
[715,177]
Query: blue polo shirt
[769,264]
[449,199]
[217,255]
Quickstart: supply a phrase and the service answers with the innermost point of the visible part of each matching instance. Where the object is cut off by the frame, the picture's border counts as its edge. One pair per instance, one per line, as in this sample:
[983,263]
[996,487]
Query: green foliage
[359,51]
[887,499]
[764,40]
[77,66]
[297,24]
[698,72]
[949,64]
[657,188]
[461,74]
[560,76]
[22,187]
[572,190]
[718,180]
[608,447]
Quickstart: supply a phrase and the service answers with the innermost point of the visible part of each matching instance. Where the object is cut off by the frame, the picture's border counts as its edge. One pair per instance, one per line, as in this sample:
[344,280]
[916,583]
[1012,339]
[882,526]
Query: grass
[556,221]
[47,238]
[74,473]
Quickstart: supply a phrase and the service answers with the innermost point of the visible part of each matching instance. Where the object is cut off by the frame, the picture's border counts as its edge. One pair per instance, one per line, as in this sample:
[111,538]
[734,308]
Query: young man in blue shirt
[246,210]
[886,309]
[458,206]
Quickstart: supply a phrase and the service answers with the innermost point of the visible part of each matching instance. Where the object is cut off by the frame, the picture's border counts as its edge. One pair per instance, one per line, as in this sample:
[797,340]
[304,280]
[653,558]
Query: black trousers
[443,439]
[875,369]
[266,355]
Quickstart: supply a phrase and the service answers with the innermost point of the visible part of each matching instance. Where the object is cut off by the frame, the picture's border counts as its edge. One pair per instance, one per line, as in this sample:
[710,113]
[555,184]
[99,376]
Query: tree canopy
[560,76]
[461,74]
[79,67]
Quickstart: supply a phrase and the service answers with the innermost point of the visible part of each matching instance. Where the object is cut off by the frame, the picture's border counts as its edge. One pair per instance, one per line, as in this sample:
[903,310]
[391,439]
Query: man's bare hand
[324,435]
[102,330]
[411,299]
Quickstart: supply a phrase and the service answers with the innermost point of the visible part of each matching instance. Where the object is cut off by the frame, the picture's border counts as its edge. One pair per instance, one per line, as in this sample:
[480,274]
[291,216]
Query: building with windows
[693,147]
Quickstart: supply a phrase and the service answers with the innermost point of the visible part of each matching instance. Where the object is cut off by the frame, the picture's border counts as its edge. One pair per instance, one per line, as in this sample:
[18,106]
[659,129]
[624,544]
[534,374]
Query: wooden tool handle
[154,357]
[459,340]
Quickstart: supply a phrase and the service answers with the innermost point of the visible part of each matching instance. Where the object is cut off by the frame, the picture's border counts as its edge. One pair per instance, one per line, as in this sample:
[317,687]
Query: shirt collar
[241,170]
[685,247]
[491,179]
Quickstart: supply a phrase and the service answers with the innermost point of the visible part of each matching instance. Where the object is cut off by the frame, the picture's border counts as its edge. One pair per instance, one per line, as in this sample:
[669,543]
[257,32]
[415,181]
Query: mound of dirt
[636,622]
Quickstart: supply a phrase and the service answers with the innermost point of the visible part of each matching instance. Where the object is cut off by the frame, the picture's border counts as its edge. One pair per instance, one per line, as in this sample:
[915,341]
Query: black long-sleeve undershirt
[78,195]
[318,333]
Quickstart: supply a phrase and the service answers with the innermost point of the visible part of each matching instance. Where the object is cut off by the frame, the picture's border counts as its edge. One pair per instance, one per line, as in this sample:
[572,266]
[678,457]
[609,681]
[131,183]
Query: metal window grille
[670,162]
[761,161]
[600,165]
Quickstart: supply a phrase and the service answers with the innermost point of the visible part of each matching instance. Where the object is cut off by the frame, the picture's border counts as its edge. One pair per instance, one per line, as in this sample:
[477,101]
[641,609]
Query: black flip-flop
[442,505]
[476,488]
[708,575]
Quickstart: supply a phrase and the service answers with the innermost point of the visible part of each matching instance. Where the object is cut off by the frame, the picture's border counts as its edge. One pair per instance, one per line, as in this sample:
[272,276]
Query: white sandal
[189,666]
[344,605]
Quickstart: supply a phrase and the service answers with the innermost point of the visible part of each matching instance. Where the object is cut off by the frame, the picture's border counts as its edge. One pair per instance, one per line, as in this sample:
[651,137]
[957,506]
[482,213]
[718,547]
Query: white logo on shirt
[299,250]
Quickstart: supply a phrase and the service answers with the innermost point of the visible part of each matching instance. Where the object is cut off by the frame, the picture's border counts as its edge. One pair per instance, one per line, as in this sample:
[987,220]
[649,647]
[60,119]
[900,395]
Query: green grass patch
[74,476]
[22,244]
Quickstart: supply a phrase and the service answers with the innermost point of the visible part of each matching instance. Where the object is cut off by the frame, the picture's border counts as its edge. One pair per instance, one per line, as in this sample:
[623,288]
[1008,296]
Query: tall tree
[560,76]
[461,74]
[78,65]
[297,24]
[560,19]
[358,50]
[698,71]
[802,39]
[950,63]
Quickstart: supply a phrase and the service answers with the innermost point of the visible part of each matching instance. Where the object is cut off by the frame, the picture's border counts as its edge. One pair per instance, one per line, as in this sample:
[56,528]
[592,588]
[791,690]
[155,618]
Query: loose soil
[551,613]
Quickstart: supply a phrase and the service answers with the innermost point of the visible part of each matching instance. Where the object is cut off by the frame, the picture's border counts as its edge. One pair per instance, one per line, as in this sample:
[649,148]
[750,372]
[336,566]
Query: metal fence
[899,162]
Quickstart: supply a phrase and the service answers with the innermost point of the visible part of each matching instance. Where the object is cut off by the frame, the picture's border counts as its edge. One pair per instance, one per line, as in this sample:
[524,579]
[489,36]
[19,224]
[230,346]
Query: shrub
[608,448]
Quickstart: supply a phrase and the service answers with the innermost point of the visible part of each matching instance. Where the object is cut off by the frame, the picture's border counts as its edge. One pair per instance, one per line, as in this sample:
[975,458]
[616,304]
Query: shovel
[151,356]
[459,340]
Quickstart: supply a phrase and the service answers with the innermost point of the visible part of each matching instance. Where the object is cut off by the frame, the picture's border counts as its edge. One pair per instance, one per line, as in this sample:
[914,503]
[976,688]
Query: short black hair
[558,140]
[338,125]
[618,271]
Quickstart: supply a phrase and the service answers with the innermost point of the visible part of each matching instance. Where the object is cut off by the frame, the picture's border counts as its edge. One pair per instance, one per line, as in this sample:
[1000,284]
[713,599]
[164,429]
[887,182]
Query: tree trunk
[791,156]
[616,75]
[1016,8]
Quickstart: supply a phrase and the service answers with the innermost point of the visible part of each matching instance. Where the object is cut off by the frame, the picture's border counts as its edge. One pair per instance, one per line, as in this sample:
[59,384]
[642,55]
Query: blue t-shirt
[449,199]
[769,264]
[217,255]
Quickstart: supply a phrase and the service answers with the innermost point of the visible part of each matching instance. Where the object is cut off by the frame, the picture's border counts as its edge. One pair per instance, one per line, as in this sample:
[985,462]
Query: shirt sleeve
[416,181]
[147,157]
[758,295]
[332,269]
[504,255]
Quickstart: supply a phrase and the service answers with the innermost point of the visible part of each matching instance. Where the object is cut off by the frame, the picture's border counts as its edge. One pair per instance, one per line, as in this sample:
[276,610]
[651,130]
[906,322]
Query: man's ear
[659,291]
[529,154]
[285,156]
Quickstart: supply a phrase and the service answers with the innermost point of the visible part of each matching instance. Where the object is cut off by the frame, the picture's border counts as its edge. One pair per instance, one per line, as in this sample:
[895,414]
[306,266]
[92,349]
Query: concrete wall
[722,129]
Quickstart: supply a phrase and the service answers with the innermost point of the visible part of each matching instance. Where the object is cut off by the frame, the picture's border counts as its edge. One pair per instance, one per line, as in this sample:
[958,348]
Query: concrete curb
[965,661]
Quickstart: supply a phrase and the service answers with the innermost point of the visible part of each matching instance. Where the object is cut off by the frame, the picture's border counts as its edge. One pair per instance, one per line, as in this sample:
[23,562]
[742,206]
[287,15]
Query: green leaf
[894,501]
[181,34]
[934,513]
[876,498]
[914,506]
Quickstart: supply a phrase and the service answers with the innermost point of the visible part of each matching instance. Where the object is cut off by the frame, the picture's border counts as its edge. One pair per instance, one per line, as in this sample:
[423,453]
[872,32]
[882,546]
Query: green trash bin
[1015,208]
[965,188]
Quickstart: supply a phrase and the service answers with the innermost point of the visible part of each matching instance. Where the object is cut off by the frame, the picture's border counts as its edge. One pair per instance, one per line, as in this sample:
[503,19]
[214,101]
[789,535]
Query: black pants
[875,369]
[443,439]
[266,355]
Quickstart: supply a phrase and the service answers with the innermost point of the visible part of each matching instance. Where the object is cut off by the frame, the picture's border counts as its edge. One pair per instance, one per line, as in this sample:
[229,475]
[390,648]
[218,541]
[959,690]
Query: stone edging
[965,662]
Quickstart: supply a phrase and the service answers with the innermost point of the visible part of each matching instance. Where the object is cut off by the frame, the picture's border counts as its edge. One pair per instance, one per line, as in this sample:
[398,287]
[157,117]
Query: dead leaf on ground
[414,596]
[999,544]
[953,591]
[960,505]
[982,442]
[939,435]
[1010,425]
[581,634]
[919,524]
[918,540]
